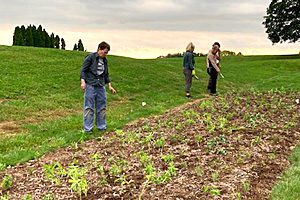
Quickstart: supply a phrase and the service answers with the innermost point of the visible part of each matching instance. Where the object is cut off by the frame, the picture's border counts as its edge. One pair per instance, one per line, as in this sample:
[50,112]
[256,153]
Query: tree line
[223,53]
[39,37]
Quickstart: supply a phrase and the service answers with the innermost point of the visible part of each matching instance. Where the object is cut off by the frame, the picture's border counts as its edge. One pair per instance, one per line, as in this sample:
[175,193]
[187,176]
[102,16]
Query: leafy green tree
[283,21]
[56,42]
[80,45]
[75,48]
[63,44]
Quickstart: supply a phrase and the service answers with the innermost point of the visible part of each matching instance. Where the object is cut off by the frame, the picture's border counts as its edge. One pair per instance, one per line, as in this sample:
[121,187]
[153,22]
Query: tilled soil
[229,147]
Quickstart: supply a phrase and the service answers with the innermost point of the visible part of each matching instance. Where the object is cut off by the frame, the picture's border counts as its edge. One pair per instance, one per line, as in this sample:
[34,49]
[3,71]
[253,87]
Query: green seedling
[54,171]
[246,186]
[215,176]
[123,180]
[48,197]
[198,138]
[179,127]
[2,167]
[215,192]
[4,197]
[256,141]
[120,133]
[77,178]
[144,158]
[168,158]
[205,104]
[238,196]
[115,170]
[27,197]
[198,171]
[148,138]
[160,143]
[146,128]
[6,182]
[190,121]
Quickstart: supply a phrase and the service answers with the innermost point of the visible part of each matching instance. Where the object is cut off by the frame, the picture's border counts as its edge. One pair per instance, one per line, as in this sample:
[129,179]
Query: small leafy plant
[6,182]
[77,178]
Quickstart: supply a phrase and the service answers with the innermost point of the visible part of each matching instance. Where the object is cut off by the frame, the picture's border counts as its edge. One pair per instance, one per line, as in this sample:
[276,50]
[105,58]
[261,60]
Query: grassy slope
[36,82]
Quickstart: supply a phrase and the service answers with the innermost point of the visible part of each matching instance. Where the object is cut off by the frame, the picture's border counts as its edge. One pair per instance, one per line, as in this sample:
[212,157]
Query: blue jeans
[94,103]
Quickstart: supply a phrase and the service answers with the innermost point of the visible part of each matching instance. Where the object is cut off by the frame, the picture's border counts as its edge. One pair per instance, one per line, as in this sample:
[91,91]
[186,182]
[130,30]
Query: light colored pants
[94,103]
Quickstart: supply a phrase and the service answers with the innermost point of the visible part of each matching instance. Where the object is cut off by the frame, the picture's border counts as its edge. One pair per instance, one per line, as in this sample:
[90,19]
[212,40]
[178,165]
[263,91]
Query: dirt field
[231,147]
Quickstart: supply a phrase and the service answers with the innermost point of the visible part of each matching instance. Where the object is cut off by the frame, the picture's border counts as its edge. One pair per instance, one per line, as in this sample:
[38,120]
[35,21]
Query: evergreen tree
[57,42]
[17,38]
[75,48]
[80,45]
[23,32]
[52,40]
[35,36]
[29,36]
[40,38]
[47,39]
[63,44]
[283,21]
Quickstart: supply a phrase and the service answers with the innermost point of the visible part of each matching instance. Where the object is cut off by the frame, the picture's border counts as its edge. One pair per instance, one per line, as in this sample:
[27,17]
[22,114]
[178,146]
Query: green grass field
[41,100]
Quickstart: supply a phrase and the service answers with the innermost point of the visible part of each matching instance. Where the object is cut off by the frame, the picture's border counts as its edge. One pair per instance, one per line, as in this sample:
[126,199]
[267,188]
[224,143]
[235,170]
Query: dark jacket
[89,70]
[188,60]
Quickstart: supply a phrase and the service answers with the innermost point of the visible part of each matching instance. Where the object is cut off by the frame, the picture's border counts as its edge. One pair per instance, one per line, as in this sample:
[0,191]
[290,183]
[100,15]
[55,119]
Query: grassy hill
[41,100]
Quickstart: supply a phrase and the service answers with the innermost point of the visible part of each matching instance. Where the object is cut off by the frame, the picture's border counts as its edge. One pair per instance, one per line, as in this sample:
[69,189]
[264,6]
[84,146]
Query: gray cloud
[193,15]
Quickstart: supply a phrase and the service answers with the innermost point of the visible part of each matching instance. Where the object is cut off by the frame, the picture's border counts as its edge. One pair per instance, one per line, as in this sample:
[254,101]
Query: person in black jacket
[188,67]
[94,76]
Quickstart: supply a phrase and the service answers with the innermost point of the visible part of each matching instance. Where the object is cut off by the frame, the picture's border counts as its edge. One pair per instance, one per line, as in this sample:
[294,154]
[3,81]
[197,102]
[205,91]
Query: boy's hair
[218,44]
[104,45]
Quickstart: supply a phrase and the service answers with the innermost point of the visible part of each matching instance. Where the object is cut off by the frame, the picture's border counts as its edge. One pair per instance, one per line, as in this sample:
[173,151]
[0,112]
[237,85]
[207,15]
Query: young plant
[168,158]
[2,167]
[77,178]
[256,141]
[246,186]
[148,138]
[6,182]
[48,197]
[27,197]
[54,171]
[4,197]
[160,143]
[198,171]
[123,180]
[198,138]
[144,158]
[115,170]
[215,176]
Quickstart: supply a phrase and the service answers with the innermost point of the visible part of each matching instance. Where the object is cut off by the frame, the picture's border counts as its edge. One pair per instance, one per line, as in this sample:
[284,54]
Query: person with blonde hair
[188,67]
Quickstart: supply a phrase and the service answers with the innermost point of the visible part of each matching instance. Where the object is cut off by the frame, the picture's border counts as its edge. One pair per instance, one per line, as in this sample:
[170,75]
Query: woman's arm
[213,62]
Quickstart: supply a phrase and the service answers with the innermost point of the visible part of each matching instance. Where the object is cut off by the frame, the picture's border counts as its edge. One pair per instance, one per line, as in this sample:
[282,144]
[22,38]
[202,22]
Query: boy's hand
[112,90]
[83,85]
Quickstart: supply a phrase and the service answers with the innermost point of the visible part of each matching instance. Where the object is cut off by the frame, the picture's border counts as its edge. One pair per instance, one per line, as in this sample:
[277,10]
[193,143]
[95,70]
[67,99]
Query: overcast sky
[143,29]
